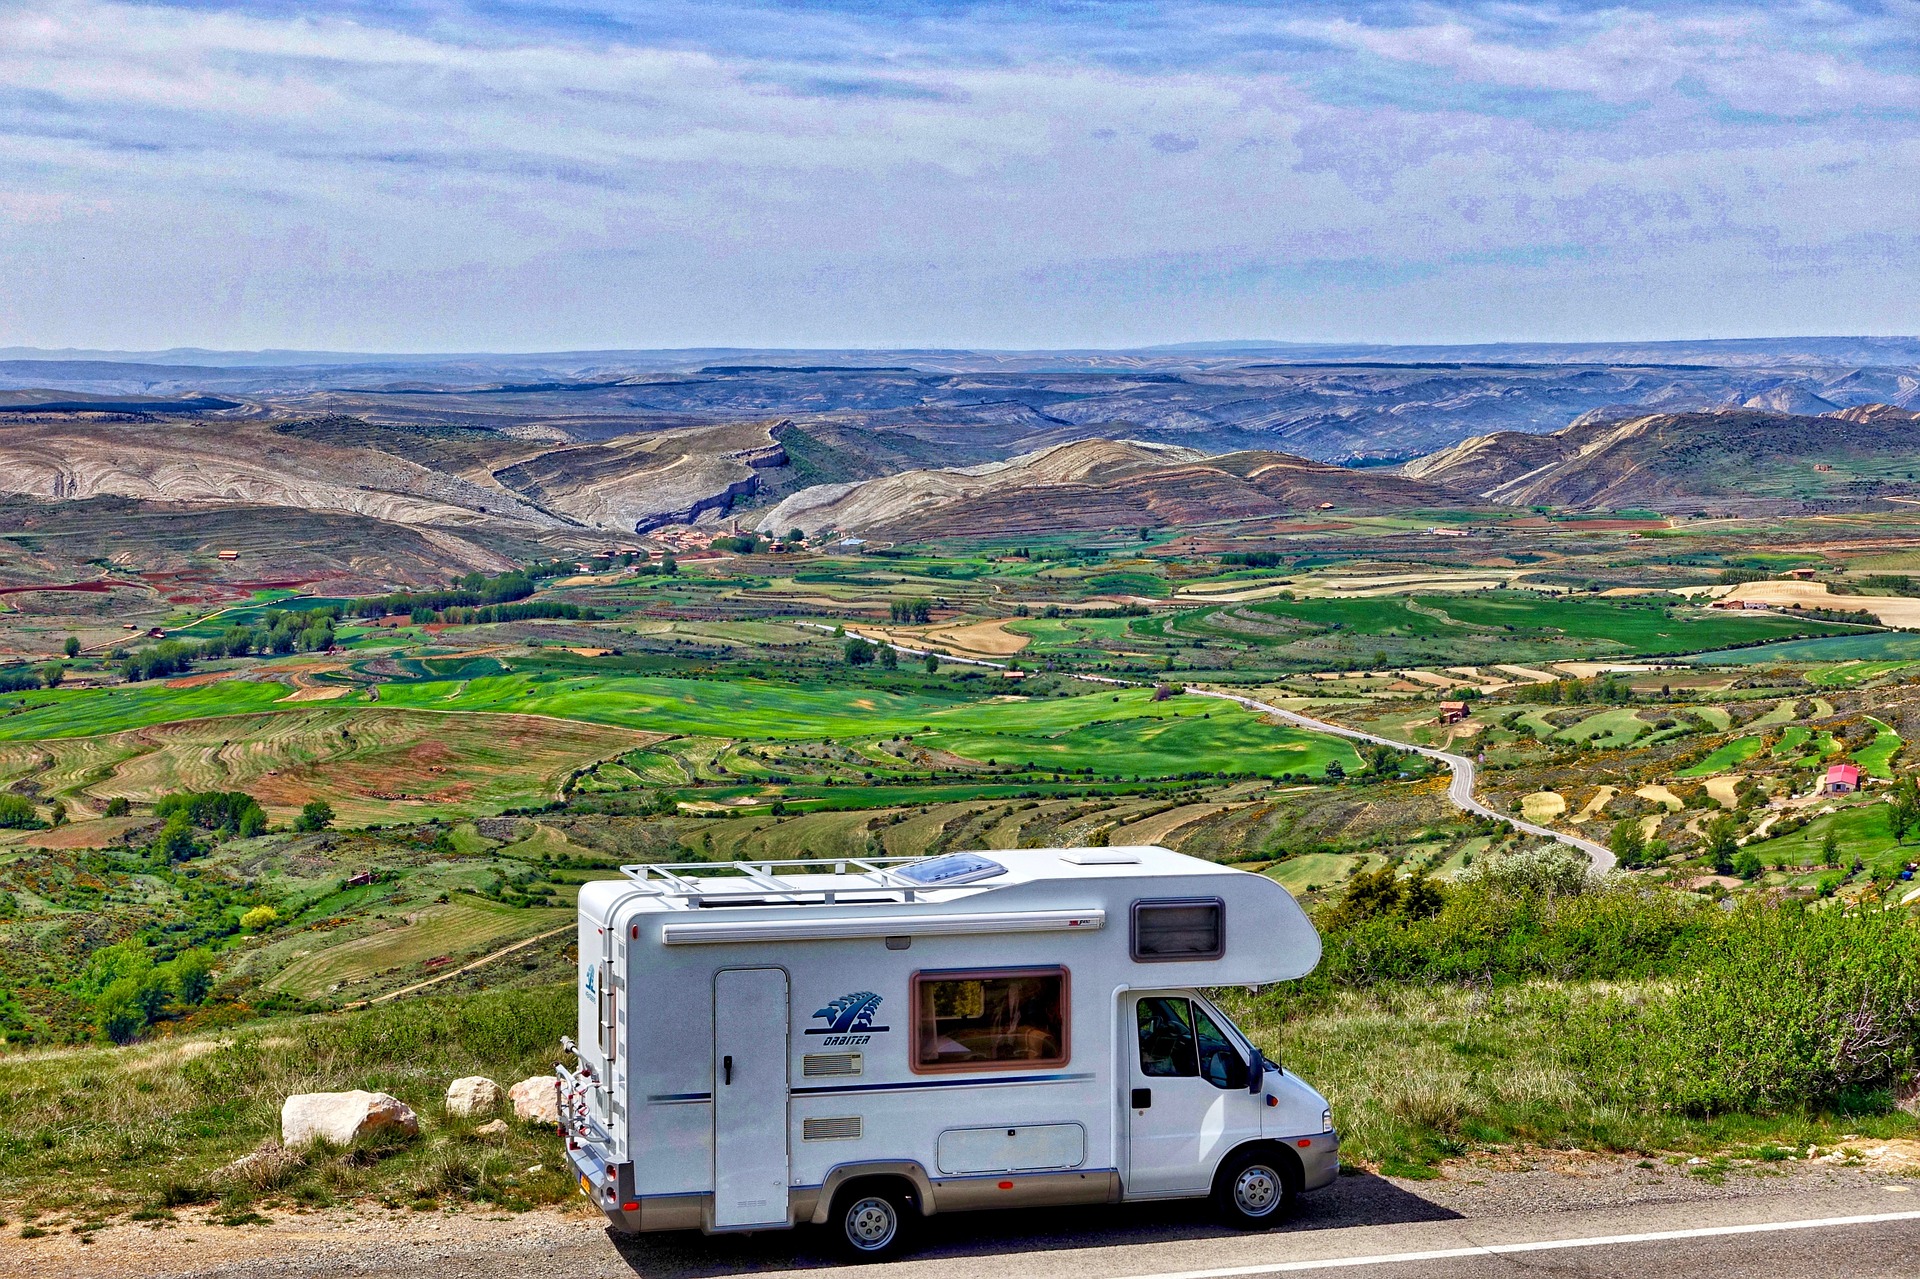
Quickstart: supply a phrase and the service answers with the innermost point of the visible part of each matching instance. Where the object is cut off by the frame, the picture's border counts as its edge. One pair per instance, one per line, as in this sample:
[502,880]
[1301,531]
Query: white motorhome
[862,1042]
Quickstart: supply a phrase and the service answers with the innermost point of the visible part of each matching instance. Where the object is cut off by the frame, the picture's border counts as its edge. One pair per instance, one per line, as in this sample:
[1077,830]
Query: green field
[1607,730]
[1121,733]
[1872,646]
[1876,757]
[1734,753]
[459,930]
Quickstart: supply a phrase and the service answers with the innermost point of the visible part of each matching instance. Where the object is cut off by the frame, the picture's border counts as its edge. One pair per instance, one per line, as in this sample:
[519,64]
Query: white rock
[339,1117]
[491,1128]
[535,1100]
[473,1095]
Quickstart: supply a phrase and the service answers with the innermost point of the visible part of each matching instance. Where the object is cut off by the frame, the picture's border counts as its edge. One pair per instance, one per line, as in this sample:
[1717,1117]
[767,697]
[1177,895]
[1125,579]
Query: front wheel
[871,1222]
[1253,1191]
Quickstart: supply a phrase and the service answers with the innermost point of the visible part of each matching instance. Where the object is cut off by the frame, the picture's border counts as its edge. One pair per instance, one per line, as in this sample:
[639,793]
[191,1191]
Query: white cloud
[231,178]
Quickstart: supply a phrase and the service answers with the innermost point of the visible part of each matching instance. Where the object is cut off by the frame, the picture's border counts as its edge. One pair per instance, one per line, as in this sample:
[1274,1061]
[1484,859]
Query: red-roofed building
[1842,779]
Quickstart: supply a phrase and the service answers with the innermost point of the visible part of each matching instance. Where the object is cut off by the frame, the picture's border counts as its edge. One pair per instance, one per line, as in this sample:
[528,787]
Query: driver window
[1220,1061]
[1166,1039]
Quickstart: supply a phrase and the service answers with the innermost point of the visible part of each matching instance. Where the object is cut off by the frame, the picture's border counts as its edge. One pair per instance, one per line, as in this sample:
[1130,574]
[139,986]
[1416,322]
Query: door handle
[1143,1099]
[726,1070]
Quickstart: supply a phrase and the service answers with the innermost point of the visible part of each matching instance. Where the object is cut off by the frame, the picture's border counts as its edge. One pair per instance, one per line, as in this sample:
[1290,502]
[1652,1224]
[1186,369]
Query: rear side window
[991,1019]
[1177,928]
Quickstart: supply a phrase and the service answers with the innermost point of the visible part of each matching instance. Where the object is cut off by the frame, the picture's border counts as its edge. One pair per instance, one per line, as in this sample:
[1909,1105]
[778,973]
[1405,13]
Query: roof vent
[949,871]
[1100,857]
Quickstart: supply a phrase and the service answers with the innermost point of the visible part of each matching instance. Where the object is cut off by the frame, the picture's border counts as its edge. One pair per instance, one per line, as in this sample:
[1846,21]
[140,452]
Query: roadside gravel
[1536,1194]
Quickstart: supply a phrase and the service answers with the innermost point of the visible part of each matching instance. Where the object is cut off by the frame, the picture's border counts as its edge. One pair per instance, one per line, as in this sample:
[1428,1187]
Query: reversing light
[1326,1120]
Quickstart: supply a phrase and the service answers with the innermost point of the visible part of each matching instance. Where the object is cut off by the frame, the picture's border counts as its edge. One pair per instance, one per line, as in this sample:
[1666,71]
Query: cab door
[1188,1102]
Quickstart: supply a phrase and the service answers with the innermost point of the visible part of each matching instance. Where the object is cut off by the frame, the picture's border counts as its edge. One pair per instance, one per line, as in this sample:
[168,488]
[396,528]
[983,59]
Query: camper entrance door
[750,1098]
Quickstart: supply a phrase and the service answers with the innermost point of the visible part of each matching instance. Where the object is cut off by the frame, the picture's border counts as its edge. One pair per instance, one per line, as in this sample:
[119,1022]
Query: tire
[1255,1189]
[872,1221]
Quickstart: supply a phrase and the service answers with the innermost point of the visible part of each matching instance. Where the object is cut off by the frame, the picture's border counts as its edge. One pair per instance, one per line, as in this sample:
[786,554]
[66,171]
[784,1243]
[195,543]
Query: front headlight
[1326,1120]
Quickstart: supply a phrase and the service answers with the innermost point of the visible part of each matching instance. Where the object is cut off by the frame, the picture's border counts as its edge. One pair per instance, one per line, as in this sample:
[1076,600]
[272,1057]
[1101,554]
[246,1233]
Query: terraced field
[457,931]
[370,764]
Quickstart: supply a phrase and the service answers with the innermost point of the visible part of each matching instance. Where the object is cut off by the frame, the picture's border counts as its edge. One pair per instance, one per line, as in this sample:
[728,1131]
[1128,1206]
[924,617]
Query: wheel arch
[1284,1158]
[900,1172]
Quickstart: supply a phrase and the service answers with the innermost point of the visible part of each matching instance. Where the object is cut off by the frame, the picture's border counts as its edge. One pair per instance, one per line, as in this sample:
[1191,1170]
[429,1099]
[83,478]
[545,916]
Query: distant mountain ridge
[1731,459]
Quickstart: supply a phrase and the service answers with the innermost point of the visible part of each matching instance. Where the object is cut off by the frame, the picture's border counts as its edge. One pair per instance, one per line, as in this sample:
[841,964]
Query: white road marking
[1544,1245]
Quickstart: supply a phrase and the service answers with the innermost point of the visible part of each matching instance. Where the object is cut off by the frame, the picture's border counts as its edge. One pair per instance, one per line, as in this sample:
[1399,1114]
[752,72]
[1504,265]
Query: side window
[998,1019]
[1166,1038]
[1178,928]
[1220,1061]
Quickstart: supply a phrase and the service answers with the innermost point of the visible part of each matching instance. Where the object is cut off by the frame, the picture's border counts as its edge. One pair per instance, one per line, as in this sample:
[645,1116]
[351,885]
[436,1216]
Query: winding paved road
[1460,791]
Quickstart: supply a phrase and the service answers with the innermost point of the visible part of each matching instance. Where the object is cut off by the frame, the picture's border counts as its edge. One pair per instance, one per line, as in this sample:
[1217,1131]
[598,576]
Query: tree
[1747,864]
[259,918]
[858,651]
[1334,770]
[315,814]
[117,1011]
[16,813]
[52,673]
[176,841]
[1829,845]
[932,663]
[796,535]
[889,660]
[1628,843]
[72,647]
[1722,839]
[118,806]
[1903,809]
[192,975]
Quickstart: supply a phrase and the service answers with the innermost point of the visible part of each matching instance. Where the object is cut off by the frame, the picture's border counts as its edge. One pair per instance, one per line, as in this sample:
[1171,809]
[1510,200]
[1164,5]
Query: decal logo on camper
[849,1020]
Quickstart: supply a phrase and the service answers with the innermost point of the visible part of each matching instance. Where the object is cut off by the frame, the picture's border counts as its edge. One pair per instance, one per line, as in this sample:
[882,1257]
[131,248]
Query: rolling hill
[1096,484]
[1732,460]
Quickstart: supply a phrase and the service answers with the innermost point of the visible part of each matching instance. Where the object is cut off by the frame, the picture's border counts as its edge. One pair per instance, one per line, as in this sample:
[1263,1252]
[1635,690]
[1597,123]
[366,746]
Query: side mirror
[1257,1067]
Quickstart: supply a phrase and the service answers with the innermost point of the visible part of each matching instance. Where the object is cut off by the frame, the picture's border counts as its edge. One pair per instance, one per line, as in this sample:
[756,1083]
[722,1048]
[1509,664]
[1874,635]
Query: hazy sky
[416,176]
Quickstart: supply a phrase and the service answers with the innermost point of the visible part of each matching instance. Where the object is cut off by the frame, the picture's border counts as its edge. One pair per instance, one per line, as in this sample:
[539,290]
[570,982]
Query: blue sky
[418,176]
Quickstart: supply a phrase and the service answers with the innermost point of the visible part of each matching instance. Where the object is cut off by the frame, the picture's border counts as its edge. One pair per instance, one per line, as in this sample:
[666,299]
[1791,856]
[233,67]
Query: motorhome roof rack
[846,881]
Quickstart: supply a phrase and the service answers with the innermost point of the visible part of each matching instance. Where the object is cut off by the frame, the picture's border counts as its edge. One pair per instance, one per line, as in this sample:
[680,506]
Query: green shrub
[16,813]
[1781,1007]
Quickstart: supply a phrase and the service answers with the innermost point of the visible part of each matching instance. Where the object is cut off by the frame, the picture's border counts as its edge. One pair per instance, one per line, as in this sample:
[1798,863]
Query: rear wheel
[871,1221]
[1254,1190]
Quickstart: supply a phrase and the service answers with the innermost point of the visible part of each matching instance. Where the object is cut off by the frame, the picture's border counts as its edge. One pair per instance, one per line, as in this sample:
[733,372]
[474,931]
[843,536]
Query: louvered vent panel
[827,1065]
[842,1128]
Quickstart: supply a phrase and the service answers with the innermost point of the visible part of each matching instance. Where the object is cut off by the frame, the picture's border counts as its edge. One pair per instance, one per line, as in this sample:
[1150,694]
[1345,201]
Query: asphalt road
[1459,792]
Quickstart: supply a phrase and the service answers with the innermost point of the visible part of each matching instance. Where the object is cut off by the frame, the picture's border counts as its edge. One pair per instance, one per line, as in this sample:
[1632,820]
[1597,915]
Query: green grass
[1124,732]
[1416,1075]
[1640,628]
[1859,830]
[1785,713]
[1851,673]
[1221,738]
[107,1131]
[1872,646]
[1791,741]
[1876,757]
[461,929]
[1612,728]
[82,712]
[1731,755]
